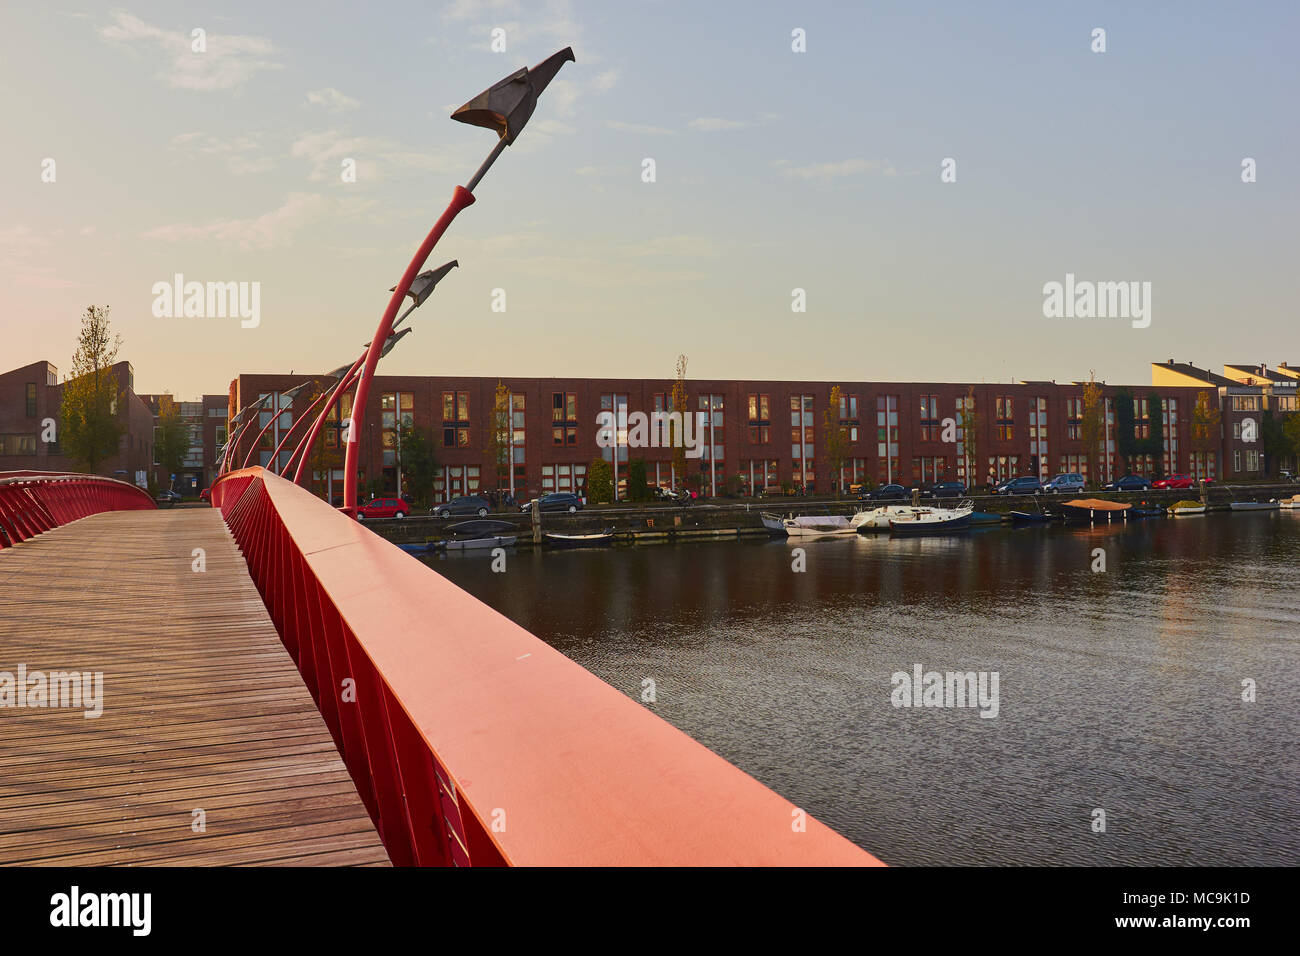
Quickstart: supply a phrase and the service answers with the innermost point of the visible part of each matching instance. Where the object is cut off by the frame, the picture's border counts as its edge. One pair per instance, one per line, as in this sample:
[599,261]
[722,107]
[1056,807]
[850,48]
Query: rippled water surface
[1119,691]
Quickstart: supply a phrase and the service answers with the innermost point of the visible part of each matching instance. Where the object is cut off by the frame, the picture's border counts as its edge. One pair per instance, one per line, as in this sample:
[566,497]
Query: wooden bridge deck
[203,709]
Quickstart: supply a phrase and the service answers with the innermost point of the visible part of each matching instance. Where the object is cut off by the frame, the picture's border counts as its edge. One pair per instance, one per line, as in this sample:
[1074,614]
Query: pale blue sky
[775,170]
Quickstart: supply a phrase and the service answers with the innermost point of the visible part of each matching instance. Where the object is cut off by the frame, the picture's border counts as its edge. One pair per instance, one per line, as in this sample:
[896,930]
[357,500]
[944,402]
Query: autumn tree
[497,447]
[835,437]
[1092,426]
[90,429]
[418,463]
[679,405]
[970,421]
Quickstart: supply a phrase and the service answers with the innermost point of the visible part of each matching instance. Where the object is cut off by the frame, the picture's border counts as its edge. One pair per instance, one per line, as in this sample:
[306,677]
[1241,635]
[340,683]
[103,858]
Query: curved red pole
[304,446]
[265,429]
[460,199]
[233,445]
[275,455]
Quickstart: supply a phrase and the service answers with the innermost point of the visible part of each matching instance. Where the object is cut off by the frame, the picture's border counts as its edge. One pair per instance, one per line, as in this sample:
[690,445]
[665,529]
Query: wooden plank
[202,709]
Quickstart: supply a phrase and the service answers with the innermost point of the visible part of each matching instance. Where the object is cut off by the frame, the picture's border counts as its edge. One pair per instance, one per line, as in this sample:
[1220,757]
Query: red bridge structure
[467,740]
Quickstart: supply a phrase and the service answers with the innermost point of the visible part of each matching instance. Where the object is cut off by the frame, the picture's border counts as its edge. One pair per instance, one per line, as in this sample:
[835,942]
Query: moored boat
[877,519]
[938,521]
[985,517]
[1290,503]
[1094,509]
[1030,517]
[816,526]
[1254,505]
[774,523]
[1188,507]
[594,539]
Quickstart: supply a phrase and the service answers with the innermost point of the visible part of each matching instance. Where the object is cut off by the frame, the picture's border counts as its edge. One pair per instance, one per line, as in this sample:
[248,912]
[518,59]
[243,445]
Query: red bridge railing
[470,740]
[33,502]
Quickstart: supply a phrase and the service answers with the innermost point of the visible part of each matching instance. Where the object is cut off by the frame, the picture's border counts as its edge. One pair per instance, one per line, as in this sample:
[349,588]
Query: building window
[929,469]
[1169,416]
[564,418]
[1006,425]
[17,444]
[929,418]
[1245,403]
[849,421]
[455,419]
[760,420]
[31,399]
[888,469]
[1074,418]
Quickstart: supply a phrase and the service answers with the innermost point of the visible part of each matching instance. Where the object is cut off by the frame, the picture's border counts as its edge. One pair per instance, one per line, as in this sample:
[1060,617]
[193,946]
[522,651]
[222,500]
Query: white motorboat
[774,523]
[1254,505]
[1290,503]
[816,526]
[877,519]
[880,519]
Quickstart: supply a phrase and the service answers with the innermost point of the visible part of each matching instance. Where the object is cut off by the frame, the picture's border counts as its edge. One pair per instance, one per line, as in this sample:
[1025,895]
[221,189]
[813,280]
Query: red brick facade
[921,452]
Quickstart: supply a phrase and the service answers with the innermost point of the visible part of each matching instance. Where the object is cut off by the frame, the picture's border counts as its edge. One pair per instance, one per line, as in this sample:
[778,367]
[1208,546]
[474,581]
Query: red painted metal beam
[470,740]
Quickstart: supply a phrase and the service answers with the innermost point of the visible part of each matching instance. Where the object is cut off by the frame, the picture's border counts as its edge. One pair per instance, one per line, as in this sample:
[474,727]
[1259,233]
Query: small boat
[877,519]
[1031,517]
[1094,509]
[1254,505]
[471,544]
[774,524]
[1188,507]
[1147,511]
[1290,503]
[939,521]
[985,517]
[595,539]
[816,526]
[422,548]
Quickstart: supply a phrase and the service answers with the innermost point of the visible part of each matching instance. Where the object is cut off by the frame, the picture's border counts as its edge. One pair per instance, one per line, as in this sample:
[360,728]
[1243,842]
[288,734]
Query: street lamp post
[504,108]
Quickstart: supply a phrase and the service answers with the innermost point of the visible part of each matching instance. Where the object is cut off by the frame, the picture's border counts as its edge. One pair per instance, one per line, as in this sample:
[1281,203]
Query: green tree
[835,438]
[637,487]
[90,428]
[600,481]
[1279,446]
[171,436]
[418,463]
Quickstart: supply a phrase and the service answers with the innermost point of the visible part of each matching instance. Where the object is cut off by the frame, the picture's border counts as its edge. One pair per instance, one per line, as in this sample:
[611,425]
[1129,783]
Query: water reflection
[1119,690]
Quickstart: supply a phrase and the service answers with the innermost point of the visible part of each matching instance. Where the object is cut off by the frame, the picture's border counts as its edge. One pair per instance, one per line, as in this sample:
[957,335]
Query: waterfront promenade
[209,749]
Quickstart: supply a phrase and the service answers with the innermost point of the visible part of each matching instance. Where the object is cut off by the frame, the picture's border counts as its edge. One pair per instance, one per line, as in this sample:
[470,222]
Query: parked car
[1128,483]
[555,501]
[1024,485]
[1064,483]
[169,496]
[887,493]
[1174,481]
[383,508]
[945,489]
[205,494]
[464,505]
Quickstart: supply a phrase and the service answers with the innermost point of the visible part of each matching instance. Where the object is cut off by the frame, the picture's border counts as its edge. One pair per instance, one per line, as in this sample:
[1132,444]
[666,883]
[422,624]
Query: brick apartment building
[767,434]
[205,420]
[30,399]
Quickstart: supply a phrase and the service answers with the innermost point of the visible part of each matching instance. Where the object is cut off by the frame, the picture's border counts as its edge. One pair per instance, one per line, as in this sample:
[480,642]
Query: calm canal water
[1118,690]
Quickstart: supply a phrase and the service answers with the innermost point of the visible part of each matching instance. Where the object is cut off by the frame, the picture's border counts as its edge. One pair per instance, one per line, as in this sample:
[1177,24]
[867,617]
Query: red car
[1175,481]
[383,508]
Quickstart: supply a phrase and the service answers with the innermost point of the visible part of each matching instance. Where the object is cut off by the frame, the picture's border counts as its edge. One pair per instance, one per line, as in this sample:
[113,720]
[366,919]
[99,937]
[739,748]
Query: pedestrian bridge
[268,682]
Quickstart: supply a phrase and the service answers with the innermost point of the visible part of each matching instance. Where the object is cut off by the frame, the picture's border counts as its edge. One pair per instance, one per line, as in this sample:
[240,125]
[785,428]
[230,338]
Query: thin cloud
[640,128]
[825,172]
[275,228]
[227,62]
[332,100]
